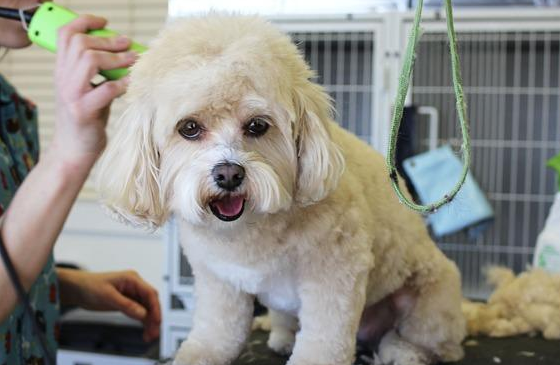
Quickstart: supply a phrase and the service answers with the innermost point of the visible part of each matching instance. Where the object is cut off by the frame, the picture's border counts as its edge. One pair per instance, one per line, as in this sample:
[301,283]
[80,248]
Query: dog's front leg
[330,312]
[221,325]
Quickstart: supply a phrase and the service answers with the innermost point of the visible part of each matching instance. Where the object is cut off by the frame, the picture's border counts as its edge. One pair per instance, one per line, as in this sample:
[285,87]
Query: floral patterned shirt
[19,151]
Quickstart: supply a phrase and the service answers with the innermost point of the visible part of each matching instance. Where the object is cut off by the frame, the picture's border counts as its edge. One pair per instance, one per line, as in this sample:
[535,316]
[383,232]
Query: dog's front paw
[192,353]
[281,341]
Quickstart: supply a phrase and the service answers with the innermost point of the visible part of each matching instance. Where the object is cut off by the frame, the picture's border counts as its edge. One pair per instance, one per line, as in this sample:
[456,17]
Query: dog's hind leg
[435,327]
[283,328]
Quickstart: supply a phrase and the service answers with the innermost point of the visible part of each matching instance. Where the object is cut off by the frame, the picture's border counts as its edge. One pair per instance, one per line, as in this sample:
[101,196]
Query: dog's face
[224,125]
[231,155]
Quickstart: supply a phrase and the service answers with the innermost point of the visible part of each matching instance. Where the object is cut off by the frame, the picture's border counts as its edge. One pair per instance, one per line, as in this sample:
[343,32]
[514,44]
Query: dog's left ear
[320,161]
[128,175]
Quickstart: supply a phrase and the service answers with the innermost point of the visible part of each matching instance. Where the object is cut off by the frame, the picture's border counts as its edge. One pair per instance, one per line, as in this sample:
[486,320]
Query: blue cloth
[19,151]
[434,174]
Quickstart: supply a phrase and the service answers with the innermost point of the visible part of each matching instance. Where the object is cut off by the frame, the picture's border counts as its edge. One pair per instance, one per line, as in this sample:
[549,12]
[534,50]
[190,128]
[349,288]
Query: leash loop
[404,84]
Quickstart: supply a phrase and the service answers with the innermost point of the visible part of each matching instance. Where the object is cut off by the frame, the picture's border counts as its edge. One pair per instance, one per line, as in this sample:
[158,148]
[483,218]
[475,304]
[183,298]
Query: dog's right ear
[320,161]
[128,177]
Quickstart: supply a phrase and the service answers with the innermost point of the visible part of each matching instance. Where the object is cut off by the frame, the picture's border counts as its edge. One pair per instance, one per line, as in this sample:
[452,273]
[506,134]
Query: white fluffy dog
[275,201]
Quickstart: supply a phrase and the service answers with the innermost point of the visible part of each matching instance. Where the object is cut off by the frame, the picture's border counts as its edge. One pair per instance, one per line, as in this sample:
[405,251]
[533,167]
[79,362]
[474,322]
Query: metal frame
[70,357]
[176,323]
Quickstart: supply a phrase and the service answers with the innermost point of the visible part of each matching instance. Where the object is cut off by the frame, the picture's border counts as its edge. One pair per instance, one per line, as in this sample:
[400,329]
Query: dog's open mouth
[228,208]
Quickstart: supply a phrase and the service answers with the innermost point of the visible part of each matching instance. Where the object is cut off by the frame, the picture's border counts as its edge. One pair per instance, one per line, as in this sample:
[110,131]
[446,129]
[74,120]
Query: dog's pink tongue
[230,206]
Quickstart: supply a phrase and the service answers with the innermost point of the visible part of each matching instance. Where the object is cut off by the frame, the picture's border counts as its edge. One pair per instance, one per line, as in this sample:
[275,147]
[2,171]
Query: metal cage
[511,74]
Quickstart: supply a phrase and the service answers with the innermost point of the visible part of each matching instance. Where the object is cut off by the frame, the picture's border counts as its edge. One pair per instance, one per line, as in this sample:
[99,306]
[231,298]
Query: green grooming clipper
[44,23]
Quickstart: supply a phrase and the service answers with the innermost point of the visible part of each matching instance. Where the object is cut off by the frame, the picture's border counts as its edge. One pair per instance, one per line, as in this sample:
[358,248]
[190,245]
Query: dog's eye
[256,127]
[190,129]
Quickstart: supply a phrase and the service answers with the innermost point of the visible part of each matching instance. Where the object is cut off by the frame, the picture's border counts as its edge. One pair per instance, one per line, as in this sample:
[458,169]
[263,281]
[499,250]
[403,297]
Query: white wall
[96,242]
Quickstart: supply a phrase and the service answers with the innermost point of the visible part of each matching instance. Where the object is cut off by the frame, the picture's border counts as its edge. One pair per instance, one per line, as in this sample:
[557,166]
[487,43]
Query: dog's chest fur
[274,285]
[272,278]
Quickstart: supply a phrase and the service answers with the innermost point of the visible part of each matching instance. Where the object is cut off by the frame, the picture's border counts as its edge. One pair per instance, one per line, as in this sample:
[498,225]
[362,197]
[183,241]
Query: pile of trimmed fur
[526,304]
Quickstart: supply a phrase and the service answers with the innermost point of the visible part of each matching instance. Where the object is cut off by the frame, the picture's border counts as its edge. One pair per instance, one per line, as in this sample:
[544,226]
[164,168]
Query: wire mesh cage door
[345,54]
[512,82]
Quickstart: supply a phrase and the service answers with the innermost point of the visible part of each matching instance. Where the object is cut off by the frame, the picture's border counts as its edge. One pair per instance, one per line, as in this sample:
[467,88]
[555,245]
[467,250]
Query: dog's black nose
[228,176]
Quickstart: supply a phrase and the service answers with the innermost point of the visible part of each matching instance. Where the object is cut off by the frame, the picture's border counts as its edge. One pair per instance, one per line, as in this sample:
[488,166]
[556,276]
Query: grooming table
[82,331]
[478,351]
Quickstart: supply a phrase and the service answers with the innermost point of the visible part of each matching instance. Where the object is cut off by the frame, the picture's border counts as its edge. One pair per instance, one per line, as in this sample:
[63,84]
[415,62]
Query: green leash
[404,82]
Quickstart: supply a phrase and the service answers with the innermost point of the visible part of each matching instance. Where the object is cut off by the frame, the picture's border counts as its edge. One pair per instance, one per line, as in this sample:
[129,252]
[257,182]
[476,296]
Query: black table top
[478,351]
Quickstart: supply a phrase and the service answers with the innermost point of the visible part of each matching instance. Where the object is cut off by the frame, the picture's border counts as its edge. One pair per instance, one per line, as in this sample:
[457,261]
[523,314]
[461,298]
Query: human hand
[82,109]
[123,291]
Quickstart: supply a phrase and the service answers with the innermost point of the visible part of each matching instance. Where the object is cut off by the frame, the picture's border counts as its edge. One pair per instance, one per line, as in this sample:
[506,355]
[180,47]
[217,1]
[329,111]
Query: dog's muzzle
[228,176]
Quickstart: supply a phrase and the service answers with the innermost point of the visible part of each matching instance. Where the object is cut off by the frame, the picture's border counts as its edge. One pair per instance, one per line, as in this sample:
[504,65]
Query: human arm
[36,215]
[123,291]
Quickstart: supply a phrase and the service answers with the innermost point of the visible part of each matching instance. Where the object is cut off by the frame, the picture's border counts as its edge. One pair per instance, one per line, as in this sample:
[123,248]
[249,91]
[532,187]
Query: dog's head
[223,122]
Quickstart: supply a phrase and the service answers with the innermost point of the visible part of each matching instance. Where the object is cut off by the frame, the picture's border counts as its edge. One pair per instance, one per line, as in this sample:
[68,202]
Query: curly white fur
[322,236]
[526,304]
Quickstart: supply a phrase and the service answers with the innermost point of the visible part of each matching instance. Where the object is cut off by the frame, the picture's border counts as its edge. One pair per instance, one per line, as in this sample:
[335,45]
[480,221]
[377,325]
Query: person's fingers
[91,62]
[148,296]
[89,54]
[150,334]
[153,321]
[154,308]
[102,95]
[81,42]
[79,25]
[126,305]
